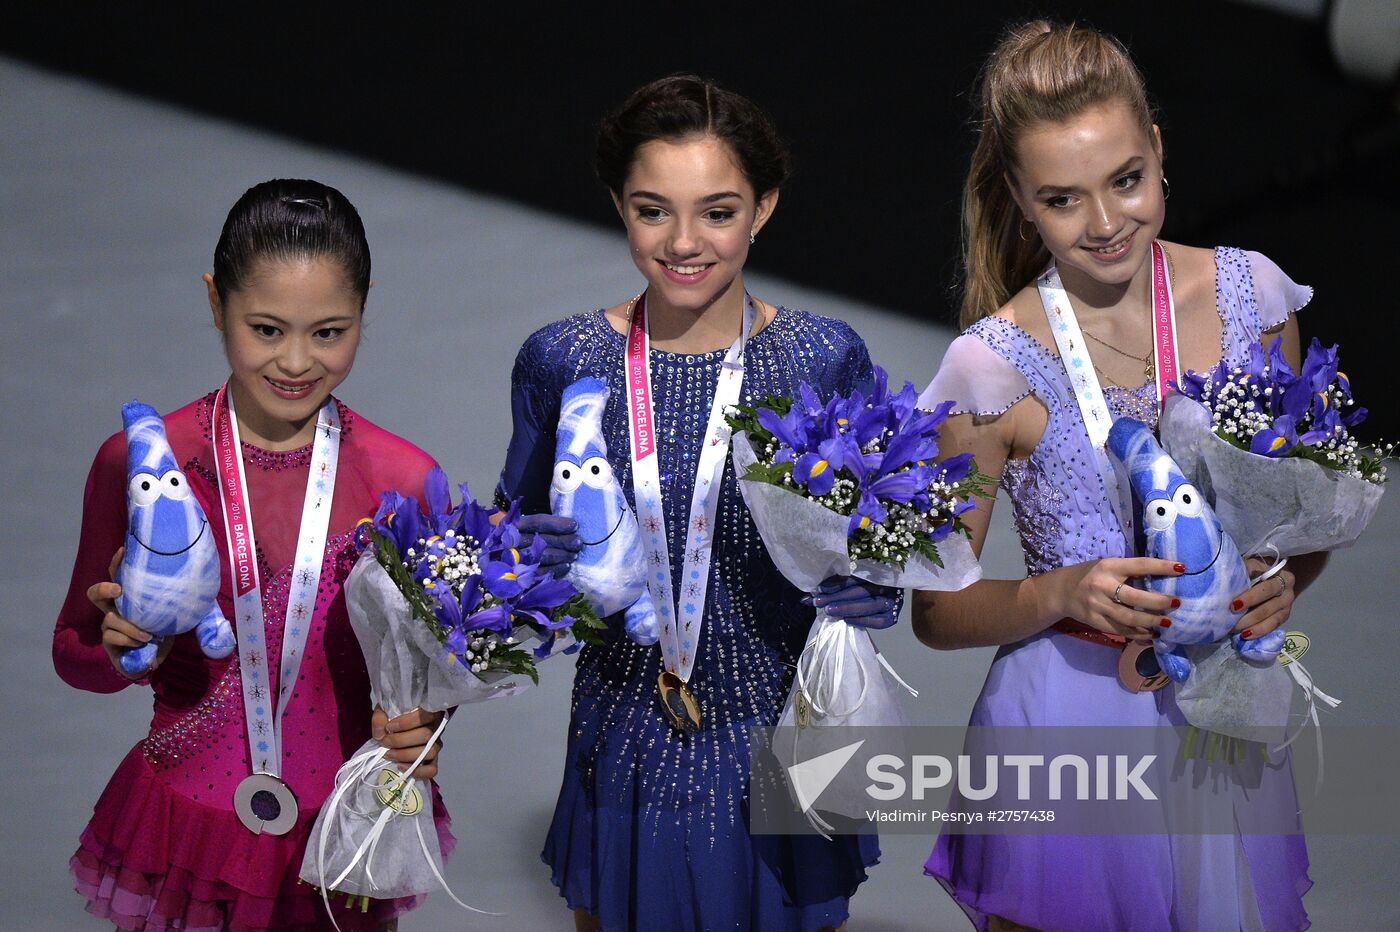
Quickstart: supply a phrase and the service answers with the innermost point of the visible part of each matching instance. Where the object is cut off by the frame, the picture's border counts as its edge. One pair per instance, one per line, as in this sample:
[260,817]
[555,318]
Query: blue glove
[857,602]
[561,540]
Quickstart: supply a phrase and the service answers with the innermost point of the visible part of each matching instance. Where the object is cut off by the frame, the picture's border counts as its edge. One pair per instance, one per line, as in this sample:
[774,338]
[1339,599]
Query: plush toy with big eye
[1174,522]
[170,572]
[610,568]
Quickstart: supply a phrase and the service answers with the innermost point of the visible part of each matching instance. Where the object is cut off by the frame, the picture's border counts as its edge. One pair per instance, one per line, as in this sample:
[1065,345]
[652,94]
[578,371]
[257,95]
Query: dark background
[1269,146]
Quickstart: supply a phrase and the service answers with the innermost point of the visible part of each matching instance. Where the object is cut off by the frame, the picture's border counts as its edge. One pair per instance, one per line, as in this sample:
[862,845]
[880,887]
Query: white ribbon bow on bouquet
[367,840]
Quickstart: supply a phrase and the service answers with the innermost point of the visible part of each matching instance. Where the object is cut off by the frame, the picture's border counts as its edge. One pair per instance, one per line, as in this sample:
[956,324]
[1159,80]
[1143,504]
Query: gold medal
[678,702]
[1138,669]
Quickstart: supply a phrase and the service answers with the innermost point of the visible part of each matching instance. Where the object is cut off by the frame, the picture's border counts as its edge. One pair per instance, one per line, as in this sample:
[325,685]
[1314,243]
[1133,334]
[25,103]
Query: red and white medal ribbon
[1088,394]
[681,619]
[263,723]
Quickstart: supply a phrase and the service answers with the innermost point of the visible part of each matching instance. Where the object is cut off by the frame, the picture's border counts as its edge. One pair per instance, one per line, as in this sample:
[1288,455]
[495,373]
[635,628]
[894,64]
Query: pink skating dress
[164,849]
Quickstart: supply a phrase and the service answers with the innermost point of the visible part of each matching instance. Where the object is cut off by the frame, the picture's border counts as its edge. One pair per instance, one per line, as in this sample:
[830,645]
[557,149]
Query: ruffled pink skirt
[154,860]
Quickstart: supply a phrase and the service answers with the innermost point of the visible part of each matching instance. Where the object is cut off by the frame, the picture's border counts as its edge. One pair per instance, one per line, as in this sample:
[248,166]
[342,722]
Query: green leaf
[770,473]
[929,550]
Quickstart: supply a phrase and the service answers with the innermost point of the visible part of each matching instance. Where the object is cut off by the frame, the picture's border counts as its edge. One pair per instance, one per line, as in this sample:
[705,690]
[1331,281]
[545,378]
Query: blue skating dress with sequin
[651,827]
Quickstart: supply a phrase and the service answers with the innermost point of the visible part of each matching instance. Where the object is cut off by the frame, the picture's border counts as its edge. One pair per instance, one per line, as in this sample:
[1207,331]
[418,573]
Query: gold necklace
[1149,365]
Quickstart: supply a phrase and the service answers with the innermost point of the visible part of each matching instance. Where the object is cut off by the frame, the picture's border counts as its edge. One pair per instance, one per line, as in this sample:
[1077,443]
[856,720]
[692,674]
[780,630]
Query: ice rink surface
[109,210]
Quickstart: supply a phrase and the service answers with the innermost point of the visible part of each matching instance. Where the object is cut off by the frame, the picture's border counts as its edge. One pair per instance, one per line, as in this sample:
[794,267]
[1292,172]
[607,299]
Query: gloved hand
[857,602]
[561,540]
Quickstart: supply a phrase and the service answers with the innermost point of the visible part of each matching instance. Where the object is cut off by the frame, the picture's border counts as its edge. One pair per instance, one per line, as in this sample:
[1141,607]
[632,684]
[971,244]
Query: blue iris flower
[1278,440]
[510,574]
[883,443]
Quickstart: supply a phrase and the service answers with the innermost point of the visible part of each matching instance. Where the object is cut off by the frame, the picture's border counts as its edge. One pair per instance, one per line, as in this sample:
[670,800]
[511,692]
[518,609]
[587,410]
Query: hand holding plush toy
[1174,522]
[610,566]
[169,574]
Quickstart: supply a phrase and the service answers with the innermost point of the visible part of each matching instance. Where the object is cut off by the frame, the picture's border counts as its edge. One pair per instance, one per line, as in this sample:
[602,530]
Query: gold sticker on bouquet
[405,800]
[1295,645]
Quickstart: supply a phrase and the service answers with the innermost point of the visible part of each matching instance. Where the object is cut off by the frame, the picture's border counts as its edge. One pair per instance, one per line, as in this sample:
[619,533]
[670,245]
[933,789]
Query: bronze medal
[1138,669]
[678,702]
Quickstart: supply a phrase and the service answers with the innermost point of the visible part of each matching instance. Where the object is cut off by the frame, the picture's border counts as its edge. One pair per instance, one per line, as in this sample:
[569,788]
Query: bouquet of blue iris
[1273,452]
[852,486]
[1272,449]
[450,608]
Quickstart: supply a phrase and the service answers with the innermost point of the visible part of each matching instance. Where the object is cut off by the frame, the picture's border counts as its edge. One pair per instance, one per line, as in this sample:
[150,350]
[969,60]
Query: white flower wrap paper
[366,840]
[1232,696]
[841,678]
[1289,504]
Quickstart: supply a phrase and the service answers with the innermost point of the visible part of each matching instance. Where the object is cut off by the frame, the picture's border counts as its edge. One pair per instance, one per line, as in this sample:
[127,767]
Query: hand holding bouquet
[449,609]
[852,486]
[1272,449]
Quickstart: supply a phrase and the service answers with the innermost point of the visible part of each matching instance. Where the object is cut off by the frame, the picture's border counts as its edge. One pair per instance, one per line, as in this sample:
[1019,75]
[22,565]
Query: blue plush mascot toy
[170,572]
[610,567]
[1174,522]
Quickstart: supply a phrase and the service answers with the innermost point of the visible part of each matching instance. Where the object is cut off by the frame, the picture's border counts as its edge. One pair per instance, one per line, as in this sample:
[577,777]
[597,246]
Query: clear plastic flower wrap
[905,540]
[449,609]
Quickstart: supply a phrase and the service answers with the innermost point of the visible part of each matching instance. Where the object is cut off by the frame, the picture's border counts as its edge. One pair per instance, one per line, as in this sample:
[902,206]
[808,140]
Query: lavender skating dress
[1062,515]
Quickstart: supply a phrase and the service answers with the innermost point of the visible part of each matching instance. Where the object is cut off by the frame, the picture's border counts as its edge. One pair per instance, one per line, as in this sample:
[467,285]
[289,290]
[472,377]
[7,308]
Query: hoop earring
[1166,188]
[1021,230]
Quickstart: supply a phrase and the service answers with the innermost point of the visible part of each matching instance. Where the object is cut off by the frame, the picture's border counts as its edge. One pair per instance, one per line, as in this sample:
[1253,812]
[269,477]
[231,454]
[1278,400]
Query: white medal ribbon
[681,619]
[1088,393]
[265,728]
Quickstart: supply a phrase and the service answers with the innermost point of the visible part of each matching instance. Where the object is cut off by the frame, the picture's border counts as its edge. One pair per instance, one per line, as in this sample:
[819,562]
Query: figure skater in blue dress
[650,831]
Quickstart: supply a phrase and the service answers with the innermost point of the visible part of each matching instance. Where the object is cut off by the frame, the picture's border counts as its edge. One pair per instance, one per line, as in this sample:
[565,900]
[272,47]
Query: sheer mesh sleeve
[976,378]
[1276,294]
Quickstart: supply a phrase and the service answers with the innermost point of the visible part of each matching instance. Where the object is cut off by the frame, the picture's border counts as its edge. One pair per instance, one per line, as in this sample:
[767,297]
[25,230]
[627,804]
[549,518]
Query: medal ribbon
[1163,324]
[265,730]
[1088,394]
[680,619]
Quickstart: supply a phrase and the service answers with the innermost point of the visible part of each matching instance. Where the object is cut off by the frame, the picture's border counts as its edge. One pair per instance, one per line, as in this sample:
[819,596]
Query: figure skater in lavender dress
[1068,167]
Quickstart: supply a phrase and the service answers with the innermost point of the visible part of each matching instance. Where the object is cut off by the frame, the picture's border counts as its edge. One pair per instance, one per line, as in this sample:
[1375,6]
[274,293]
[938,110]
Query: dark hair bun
[687,105]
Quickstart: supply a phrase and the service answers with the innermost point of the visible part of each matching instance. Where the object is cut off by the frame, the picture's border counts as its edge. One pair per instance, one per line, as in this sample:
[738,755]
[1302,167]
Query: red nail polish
[1246,633]
[1236,605]
[1166,622]
[1179,567]
[1176,603]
